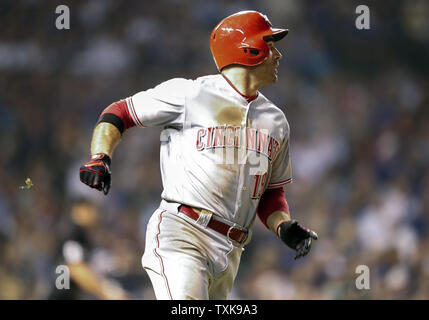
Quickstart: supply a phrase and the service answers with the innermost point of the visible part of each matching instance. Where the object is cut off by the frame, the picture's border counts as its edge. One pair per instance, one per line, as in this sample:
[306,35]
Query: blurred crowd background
[357,104]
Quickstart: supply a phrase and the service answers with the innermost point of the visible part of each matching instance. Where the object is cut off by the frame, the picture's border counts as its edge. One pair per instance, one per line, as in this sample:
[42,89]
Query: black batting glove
[297,237]
[96,172]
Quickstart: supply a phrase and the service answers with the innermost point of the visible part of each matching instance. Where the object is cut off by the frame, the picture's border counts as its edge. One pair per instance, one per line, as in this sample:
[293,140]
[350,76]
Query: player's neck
[242,80]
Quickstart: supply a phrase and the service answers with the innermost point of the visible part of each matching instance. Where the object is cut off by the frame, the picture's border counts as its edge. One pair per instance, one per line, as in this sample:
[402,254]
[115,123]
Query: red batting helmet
[240,39]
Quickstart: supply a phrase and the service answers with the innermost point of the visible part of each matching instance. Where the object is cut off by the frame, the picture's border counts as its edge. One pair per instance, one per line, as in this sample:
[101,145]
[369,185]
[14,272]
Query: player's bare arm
[275,219]
[96,172]
[105,138]
[113,121]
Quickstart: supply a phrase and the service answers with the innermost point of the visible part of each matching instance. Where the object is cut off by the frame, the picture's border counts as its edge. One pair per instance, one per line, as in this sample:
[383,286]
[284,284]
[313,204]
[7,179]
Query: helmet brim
[275,34]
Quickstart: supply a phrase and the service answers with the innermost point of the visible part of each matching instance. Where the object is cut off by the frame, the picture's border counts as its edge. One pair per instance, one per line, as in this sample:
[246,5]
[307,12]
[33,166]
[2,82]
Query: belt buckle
[240,228]
[204,217]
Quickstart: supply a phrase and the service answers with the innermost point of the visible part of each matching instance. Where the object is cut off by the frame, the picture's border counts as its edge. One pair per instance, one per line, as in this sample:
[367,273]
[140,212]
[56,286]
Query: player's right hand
[96,172]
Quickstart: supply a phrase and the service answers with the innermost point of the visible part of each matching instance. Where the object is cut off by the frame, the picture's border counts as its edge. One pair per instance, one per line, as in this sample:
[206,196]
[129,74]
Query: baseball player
[224,161]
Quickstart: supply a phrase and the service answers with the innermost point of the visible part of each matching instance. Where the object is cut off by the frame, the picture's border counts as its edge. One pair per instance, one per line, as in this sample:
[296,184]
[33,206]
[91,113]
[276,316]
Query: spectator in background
[76,250]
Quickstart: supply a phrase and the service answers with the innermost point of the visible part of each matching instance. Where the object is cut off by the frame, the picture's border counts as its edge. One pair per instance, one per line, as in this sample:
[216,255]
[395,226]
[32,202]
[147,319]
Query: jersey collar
[248,98]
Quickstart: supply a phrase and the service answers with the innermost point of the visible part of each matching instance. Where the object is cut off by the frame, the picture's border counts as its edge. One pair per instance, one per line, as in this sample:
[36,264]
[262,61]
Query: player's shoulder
[173,90]
[205,84]
[175,84]
[183,85]
[276,114]
[272,107]
[208,80]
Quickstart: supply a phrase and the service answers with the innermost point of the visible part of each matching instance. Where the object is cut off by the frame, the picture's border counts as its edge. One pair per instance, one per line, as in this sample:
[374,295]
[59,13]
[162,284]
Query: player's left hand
[297,237]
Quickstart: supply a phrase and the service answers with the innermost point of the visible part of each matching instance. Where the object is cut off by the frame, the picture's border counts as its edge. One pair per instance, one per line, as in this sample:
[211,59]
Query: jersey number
[260,181]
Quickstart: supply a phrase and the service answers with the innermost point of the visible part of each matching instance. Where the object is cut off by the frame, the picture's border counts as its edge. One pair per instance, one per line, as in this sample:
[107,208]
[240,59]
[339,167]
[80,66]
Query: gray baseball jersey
[218,152]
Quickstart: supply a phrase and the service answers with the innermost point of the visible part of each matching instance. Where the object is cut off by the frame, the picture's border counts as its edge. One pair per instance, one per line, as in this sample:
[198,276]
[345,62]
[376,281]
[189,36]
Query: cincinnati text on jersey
[238,137]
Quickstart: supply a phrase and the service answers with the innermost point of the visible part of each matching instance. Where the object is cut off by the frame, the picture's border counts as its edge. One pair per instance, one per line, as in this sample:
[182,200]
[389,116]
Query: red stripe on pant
[159,257]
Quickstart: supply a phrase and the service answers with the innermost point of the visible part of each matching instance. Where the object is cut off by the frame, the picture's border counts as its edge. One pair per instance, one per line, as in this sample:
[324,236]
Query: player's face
[267,71]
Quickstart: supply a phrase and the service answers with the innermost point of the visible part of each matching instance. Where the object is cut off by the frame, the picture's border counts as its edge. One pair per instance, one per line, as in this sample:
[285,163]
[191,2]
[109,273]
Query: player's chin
[270,78]
[275,77]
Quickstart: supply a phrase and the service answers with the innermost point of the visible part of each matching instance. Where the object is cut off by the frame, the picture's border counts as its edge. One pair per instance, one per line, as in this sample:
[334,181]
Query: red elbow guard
[272,200]
[118,115]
